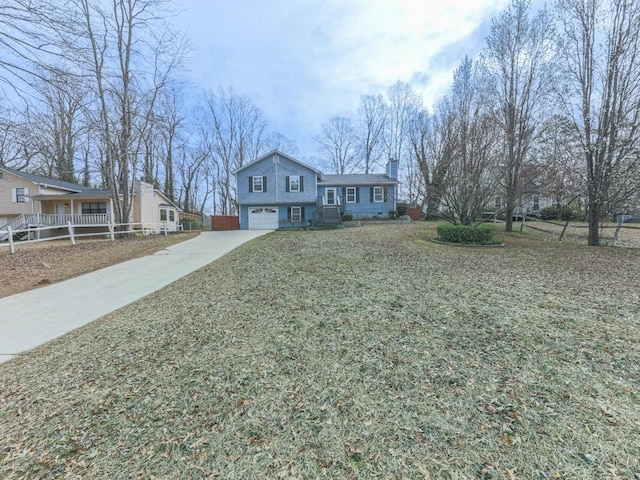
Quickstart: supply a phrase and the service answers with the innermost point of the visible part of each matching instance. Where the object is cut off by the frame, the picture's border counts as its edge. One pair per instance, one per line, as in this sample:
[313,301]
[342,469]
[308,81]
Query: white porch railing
[322,201]
[63,219]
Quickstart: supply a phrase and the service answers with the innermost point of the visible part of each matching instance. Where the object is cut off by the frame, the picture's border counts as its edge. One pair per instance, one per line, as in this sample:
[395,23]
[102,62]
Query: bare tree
[57,125]
[561,171]
[26,43]
[518,56]
[12,132]
[600,52]
[470,179]
[121,48]
[233,129]
[402,105]
[372,114]
[337,143]
[433,143]
[277,141]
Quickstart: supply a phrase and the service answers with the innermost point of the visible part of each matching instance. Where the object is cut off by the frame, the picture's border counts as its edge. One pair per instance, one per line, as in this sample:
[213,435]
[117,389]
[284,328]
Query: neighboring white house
[28,199]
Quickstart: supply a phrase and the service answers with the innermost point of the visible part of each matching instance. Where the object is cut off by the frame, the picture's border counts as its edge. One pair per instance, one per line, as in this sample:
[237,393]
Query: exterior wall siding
[364,208]
[8,208]
[276,194]
[276,184]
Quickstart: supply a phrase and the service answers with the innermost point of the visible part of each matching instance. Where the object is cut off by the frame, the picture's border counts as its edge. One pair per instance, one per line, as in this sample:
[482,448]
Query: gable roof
[348,180]
[270,154]
[46,181]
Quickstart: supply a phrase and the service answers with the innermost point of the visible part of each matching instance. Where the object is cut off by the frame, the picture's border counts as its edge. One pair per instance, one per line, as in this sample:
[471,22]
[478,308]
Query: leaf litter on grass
[355,353]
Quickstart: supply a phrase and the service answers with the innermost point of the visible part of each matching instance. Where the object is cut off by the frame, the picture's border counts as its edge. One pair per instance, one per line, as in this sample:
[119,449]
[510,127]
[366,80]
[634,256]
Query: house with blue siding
[276,190]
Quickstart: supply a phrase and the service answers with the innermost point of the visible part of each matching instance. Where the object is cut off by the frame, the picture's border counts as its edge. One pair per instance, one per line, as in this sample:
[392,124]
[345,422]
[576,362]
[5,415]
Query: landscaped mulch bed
[352,353]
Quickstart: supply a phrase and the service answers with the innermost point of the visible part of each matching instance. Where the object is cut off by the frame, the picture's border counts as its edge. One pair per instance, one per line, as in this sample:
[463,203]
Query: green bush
[467,234]
[569,212]
[347,217]
[189,223]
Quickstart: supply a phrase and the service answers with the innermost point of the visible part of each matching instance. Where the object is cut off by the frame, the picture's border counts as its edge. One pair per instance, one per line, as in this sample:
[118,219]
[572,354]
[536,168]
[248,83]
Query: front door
[331,196]
[60,211]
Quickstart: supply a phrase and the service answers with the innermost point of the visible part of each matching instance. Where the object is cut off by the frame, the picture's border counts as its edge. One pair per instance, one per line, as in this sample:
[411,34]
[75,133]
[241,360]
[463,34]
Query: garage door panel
[263,218]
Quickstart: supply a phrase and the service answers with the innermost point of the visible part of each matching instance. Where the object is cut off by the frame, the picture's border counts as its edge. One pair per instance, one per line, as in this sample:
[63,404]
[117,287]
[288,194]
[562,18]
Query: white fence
[110,230]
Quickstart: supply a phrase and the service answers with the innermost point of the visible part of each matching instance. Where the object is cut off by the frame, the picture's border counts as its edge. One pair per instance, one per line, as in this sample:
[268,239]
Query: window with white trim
[172,216]
[294,183]
[257,184]
[20,195]
[163,215]
[378,194]
[351,195]
[296,214]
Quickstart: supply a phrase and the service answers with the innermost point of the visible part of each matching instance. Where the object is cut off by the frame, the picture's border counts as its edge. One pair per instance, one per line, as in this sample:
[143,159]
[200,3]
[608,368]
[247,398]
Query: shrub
[402,209]
[347,217]
[467,234]
[189,223]
[569,212]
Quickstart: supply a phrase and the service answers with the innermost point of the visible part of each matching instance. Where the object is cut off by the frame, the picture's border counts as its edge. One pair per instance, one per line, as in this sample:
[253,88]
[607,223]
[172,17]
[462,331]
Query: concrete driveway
[32,318]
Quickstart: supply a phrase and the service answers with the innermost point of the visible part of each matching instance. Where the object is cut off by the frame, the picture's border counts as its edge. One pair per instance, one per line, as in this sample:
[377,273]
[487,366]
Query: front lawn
[356,353]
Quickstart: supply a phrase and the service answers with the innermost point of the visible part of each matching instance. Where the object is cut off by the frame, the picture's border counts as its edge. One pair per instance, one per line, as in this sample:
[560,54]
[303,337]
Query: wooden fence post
[615,235]
[564,229]
[71,235]
[10,237]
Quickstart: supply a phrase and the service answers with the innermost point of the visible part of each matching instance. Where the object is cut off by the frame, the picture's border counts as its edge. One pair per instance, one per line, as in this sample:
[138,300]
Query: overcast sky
[303,61]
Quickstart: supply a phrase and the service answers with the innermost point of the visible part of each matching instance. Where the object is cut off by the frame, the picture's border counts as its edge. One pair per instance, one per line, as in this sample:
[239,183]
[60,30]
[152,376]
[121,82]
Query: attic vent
[276,159]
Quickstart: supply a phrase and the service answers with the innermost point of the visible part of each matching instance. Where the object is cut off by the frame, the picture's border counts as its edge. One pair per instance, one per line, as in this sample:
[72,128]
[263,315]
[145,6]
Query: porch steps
[19,223]
[327,216]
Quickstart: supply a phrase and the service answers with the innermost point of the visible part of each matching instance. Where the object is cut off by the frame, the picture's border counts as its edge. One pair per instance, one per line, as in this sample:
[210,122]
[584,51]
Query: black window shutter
[302,184]
[250,184]
[301,211]
[289,213]
[264,184]
[357,194]
[384,189]
[286,183]
[371,192]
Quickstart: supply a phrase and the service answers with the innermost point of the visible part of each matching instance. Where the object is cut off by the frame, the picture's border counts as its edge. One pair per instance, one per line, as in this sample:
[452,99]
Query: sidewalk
[32,318]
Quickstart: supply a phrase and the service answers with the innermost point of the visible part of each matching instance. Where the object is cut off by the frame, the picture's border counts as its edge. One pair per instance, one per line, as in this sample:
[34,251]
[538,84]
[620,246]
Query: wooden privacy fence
[110,231]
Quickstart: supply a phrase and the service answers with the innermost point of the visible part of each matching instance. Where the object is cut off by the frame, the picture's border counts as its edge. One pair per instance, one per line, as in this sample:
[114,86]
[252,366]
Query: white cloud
[304,61]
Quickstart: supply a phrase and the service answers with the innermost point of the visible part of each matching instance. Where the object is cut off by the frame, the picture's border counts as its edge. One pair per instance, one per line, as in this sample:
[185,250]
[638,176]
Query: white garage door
[263,218]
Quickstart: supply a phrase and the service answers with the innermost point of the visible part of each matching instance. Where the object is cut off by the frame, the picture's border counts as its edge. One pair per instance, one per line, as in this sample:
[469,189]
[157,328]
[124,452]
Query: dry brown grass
[38,264]
[355,353]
